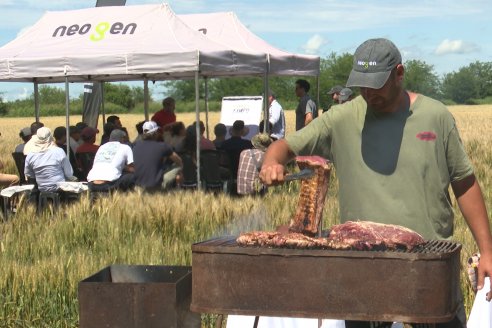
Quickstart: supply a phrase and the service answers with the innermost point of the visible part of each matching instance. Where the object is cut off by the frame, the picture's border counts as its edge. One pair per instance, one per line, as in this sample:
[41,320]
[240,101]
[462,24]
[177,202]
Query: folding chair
[210,171]
[20,161]
[86,160]
[189,172]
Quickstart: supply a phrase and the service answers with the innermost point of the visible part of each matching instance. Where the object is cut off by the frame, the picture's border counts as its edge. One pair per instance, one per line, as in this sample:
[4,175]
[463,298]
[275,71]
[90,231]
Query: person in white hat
[153,171]
[47,163]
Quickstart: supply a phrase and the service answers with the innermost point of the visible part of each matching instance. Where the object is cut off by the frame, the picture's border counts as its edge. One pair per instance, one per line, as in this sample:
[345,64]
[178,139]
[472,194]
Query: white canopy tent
[146,42]
[226,29]
[117,44]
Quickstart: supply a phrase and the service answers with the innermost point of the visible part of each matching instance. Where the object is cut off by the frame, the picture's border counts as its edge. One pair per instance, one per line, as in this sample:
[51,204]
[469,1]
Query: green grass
[42,258]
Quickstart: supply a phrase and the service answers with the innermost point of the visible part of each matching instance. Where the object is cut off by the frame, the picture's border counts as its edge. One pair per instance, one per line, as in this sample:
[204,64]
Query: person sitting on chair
[236,144]
[220,131]
[86,152]
[88,136]
[25,134]
[47,163]
[151,170]
[113,165]
[29,146]
[250,161]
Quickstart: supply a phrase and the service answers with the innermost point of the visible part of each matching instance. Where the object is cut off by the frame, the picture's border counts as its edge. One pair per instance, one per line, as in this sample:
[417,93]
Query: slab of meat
[277,239]
[365,235]
[312,196]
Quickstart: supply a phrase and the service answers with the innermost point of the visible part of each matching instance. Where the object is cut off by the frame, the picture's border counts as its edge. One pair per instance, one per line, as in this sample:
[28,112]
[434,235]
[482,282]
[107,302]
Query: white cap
[150,127]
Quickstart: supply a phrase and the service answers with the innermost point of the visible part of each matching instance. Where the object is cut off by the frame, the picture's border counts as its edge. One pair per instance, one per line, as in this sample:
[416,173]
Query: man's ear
[400,72]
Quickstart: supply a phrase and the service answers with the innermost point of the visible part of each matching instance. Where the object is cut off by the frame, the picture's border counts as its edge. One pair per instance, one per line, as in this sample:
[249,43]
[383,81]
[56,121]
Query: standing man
[166,114]
[277,117]
[396,153]
[333,93]
[345,95]
[306,110]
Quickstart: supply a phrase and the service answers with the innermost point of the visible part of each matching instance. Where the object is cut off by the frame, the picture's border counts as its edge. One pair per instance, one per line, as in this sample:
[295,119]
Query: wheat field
[44,257]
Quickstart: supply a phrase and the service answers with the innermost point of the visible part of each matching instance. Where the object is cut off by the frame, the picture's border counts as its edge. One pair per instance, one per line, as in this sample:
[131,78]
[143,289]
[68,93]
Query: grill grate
[430,247]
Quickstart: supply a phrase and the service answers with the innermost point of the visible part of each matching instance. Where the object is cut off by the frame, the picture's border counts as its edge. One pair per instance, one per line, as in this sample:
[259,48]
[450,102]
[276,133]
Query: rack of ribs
[309,211]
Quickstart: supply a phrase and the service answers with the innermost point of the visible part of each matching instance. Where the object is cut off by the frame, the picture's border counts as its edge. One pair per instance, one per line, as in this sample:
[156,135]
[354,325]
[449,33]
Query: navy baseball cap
[373,62]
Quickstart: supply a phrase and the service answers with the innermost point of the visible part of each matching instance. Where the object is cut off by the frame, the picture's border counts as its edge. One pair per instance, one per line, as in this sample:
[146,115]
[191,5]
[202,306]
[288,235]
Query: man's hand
[273,170]
[472,205]
[484,270]
[272,174]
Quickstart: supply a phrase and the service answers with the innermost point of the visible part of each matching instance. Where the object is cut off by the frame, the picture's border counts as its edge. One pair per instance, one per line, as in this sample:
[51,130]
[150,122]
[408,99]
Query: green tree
[50,95]
[483,75]
[421,78]
[119,94]
[460,86]
[3,107]
[138,95]
[182,90]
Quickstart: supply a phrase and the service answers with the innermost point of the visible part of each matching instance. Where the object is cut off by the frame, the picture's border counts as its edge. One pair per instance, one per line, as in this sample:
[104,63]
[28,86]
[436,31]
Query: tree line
[471,84]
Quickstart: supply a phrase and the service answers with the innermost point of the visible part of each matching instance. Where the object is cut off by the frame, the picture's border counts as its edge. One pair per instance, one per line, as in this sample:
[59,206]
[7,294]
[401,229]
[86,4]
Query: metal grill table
[420,286]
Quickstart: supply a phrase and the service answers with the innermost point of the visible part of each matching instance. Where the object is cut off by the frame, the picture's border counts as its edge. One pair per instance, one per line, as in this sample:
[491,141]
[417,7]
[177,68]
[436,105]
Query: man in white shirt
[113,165]
[277,117]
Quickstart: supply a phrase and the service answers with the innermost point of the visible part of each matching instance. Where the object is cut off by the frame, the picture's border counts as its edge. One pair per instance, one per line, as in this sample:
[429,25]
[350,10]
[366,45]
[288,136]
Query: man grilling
[396,153]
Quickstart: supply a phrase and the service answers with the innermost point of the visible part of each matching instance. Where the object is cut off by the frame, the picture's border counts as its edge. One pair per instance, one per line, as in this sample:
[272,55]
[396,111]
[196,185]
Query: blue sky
[446,34]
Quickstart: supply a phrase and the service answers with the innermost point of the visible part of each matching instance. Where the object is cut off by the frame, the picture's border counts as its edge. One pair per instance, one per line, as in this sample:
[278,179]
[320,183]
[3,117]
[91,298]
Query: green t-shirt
[393,168]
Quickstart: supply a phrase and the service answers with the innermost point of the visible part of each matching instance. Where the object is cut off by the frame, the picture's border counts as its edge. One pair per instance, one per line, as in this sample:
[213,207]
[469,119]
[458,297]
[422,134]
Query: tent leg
[197,131]
[103,109]
[266,111]
[146,98]
[206,107]
[67,115]
[36,100]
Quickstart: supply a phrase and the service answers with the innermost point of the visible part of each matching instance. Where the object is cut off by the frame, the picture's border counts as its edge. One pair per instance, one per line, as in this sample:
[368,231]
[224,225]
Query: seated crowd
[153,161]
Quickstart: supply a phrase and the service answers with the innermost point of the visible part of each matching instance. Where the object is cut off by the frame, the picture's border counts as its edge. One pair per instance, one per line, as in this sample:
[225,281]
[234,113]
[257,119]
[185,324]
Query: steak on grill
[312,195]
[365,235]
[280,240]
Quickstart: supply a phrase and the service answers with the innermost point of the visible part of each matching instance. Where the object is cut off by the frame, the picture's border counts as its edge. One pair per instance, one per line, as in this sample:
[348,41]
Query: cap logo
[366,64]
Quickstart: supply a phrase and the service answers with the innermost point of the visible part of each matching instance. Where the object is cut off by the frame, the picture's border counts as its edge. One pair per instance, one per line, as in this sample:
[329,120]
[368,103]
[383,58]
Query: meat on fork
[312,195]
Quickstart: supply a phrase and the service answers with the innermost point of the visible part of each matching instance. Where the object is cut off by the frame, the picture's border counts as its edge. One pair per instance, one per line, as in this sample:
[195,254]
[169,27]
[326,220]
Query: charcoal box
[131,296]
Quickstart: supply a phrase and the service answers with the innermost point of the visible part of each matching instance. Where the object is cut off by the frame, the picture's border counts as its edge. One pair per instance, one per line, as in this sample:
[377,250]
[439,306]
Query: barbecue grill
[420,286]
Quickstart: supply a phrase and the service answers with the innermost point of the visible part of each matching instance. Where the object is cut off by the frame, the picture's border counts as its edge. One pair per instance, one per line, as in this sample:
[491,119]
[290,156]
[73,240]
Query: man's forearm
[278,153]
[472,206]
[308,118]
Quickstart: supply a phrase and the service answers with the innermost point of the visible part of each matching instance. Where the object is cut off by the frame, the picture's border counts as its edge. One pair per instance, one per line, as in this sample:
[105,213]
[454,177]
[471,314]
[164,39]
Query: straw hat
[261,141]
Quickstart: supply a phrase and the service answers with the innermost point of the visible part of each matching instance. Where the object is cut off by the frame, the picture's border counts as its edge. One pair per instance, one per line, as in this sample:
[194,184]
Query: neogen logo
[99,31]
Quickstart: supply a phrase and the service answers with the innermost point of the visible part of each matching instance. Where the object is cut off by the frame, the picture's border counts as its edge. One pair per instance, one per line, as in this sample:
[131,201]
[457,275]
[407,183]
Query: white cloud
[313,44]
[455,47]
[22,95]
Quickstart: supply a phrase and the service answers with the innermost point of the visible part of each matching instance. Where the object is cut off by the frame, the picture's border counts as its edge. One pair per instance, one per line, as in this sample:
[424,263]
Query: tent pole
[67,112]
[36,100]
[146,98]
[206,106]
[266,111]
[101,85]
[197,131]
